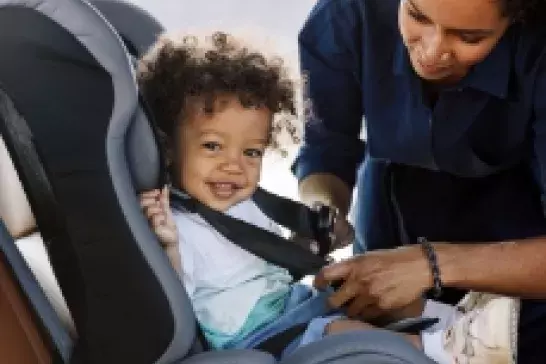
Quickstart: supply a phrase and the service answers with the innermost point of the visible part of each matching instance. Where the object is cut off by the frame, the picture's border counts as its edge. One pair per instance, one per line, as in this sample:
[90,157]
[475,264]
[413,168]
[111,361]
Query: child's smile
[221,152]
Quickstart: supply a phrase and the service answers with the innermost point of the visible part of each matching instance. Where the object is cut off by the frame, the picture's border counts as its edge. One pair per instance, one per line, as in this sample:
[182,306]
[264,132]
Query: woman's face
[445,38]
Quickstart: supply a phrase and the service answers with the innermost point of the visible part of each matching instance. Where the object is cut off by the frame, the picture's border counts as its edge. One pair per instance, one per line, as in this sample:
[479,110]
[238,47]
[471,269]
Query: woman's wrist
[455,262]
[434,289]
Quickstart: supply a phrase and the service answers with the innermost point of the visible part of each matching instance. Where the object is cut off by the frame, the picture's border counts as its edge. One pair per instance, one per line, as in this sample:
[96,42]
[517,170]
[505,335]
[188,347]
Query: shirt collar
[492,75]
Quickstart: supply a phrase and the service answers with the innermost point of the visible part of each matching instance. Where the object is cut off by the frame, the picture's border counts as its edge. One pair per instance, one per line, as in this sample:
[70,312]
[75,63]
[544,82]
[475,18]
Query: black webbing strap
[288,213]
[262,243]
[276,344]
[32,172]
[20,144]
[305,222]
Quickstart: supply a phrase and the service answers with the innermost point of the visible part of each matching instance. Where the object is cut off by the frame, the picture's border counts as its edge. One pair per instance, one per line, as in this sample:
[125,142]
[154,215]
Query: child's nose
[233,163]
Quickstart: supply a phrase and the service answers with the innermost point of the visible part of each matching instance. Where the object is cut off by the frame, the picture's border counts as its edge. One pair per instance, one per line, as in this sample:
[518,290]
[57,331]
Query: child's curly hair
[182,70]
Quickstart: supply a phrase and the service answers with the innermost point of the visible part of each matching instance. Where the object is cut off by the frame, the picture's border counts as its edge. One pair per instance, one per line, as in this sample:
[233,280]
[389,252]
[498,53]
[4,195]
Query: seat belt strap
[260,242]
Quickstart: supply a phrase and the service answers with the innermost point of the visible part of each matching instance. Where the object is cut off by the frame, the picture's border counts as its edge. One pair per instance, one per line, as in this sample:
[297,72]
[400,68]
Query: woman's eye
[418,16]
[212,146]
[470,39]
[253,153]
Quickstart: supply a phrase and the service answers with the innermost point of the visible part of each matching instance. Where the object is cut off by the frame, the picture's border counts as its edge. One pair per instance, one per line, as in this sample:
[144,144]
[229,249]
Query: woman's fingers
[345,294]
[333,272]
[361,304]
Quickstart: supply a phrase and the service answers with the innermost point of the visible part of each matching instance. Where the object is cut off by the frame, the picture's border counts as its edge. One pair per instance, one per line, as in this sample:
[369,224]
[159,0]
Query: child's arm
[156,207]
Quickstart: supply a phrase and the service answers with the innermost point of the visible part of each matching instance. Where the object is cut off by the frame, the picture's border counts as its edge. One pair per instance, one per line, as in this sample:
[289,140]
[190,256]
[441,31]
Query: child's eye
[212,146]
[253,153]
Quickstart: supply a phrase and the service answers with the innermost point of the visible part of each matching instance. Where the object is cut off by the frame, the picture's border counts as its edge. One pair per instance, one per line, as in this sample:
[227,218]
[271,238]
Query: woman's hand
[378,282]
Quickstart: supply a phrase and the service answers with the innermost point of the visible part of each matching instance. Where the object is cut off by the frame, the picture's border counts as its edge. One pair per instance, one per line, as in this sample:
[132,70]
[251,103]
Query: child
[215,102]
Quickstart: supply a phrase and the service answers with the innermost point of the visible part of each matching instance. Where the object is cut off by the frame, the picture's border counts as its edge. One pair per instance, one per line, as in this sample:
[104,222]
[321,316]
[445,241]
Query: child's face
[221,154]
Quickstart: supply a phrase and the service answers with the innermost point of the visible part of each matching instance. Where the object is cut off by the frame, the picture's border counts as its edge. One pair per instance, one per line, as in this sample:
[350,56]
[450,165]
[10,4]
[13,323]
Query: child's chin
[223,205]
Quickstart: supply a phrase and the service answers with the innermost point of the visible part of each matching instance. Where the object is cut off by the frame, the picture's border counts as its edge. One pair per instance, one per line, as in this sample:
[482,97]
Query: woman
[453,93]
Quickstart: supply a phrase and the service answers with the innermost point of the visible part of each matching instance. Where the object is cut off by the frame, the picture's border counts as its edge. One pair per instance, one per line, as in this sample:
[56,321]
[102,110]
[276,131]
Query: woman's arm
[510,268]
[517,268]
[381,281]
[329,48]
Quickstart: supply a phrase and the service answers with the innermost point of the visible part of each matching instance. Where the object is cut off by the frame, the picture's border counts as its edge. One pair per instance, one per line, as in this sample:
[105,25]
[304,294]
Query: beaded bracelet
[428,250]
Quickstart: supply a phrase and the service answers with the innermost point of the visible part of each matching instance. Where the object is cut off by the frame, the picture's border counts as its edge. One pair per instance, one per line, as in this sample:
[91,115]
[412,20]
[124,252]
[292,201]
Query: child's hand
[155,205]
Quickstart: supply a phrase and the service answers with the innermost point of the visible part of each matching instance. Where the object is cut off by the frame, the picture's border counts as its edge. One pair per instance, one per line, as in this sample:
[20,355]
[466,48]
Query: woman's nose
[433,50]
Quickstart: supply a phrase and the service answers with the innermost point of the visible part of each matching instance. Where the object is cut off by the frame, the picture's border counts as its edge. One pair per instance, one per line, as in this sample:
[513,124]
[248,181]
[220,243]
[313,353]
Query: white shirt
[224,281]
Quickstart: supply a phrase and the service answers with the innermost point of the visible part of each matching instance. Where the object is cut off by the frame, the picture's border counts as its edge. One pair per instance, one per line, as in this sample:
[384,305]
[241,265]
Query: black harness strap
[288,213]
[276,344]
[32,172]
[262,243]
[307,223]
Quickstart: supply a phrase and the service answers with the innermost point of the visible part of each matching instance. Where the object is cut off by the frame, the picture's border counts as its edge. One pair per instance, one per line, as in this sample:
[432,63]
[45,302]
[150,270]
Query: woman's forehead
[461,14]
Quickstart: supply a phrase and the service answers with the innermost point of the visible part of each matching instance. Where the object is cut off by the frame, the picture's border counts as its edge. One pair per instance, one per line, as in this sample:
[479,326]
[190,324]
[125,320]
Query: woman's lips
[431,68]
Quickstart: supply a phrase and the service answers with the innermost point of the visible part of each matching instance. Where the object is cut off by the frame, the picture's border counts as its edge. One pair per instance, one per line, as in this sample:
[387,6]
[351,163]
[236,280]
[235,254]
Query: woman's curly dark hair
[180,71]
[529,12]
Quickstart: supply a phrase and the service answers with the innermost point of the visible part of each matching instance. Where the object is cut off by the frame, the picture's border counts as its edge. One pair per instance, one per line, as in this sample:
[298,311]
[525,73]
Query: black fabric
[262,243]
[443,207]
[119,308]
[18,139]
[276,344]
[412,325]
[298,218]
[288,213]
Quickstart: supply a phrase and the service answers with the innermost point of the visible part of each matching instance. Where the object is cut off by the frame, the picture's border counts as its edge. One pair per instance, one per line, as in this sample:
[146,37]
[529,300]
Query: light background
[277,21]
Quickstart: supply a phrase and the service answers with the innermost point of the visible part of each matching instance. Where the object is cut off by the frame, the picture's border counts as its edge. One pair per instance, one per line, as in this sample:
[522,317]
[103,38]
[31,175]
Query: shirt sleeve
[330,59]
[539,130]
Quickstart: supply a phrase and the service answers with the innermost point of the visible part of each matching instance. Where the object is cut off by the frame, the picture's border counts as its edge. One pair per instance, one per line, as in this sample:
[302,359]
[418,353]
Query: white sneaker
[486,333]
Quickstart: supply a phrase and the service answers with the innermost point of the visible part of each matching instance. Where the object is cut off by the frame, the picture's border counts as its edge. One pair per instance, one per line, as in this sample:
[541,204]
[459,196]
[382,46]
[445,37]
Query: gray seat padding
[360,347]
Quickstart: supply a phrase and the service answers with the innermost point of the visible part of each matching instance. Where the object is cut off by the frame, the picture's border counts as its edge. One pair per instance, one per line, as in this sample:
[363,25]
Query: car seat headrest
[138,29]
[143,153]
[14,206]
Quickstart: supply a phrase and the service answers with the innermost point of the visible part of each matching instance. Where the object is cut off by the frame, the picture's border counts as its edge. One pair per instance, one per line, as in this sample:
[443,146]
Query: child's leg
[482,330]
[330,325]
[346,325]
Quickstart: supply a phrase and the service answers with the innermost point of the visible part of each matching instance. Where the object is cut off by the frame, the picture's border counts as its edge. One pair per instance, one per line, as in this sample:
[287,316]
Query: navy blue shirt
[470,168]
[358,66]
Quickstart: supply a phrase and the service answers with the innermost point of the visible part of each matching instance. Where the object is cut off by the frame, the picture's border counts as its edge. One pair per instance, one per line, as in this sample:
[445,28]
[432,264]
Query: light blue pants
[304,305]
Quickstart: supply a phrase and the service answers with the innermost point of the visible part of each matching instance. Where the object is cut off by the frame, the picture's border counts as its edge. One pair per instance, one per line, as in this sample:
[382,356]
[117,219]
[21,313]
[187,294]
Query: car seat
[83,147]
